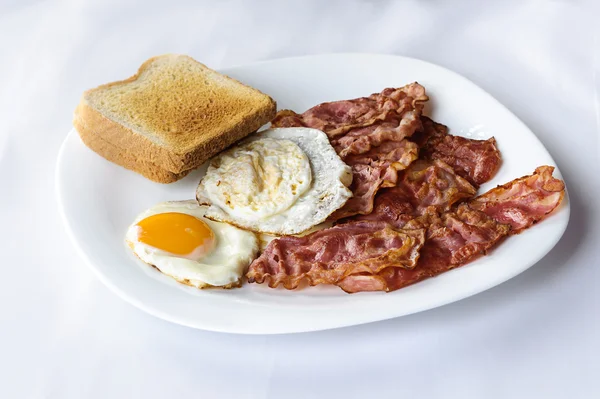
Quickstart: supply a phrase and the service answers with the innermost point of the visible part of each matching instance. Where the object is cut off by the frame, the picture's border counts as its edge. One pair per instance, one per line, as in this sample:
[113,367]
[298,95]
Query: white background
[64,335]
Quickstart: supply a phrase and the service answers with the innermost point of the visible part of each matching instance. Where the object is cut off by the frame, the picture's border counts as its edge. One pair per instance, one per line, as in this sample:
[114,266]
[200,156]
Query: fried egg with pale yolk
[278,181]
[178,240]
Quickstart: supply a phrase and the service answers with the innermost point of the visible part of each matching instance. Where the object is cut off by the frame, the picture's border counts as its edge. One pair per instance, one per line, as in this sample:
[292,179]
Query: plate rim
[439,302]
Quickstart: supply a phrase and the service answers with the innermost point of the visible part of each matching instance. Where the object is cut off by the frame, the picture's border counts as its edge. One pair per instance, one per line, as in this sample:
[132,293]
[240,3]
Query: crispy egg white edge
[328,192]
[235,249]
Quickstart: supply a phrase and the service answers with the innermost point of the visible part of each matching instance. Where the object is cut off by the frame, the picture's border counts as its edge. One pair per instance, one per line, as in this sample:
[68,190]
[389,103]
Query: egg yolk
[177,233]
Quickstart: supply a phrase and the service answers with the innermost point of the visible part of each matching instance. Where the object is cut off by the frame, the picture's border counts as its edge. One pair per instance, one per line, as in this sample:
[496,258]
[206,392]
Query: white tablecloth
[64,335]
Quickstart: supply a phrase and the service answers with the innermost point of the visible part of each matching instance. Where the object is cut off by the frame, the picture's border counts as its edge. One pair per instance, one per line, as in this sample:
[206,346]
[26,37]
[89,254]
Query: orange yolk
[176,233]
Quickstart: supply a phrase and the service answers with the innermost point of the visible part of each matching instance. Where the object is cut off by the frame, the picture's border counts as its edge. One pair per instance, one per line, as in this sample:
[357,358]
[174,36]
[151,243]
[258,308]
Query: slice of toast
[123,158]
[174,113]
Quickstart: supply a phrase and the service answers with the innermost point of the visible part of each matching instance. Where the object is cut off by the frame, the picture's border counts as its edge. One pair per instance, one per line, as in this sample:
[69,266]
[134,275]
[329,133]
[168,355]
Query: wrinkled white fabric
[64,335]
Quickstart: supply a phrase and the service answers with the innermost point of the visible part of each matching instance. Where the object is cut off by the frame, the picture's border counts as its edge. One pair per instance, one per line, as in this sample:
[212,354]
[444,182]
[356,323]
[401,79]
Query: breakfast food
[279,181]
[330,255]
[175,238]
[454,237]
[170,117]
[366,194]
[432,193]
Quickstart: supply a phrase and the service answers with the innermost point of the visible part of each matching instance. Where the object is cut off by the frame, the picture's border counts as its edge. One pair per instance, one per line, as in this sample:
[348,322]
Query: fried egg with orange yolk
[178,240]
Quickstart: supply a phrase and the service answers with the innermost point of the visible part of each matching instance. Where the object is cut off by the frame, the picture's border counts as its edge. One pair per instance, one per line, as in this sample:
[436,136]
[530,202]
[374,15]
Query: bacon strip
[329,255]
[394,113]
[524,201]
[475,160]
[461,236]
[370,134]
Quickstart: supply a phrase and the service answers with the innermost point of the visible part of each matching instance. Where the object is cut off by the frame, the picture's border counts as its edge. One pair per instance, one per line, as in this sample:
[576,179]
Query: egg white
[234,250]
[328,190]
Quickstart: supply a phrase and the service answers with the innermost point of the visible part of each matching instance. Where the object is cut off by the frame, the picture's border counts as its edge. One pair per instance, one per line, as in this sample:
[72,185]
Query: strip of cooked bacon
[396,111]
[475,160]
[424,184]
[329,255]
[461,236]
[455,238]
[524,201]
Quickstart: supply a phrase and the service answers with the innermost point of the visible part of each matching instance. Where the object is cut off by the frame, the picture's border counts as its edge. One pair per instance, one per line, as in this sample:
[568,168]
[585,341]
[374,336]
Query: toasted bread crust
[121,157]
[189,146]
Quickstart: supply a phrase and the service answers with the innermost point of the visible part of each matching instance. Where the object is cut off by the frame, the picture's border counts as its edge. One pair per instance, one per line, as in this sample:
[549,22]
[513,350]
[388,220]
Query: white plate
[98,200]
